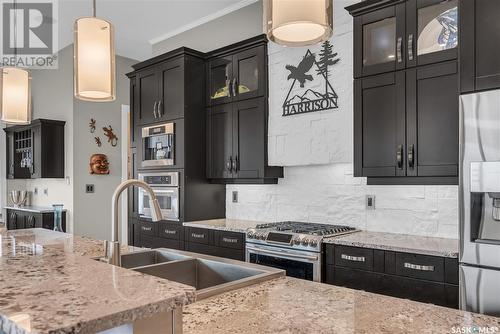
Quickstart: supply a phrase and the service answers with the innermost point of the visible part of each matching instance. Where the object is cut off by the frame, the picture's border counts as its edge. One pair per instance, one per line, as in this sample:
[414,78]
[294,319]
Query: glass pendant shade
[15,95]
[298,22]
[94,60]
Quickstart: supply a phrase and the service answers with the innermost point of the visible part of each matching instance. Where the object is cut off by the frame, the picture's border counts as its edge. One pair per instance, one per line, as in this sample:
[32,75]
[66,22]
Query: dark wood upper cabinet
[431,31]
[147,96]
[391,35]
[479,45]
[236,76]
[237,114]
[432,120]
[379,40]
[171,89]
[35,150]
[379,125]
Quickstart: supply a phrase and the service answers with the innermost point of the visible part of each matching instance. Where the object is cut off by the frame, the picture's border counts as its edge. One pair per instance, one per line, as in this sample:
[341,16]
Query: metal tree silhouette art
[326,58]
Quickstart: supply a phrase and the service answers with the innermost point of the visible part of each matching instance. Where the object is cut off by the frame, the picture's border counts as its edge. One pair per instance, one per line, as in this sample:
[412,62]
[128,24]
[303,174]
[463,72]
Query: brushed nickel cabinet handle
[170,231]
[146,228]
[228,85]
[159,109]
[399,49]
[352,258]
[418,267]
[234,87]
[411,156]
[198,236]
[154,109]
[399,156]
[410,47]
[230,240]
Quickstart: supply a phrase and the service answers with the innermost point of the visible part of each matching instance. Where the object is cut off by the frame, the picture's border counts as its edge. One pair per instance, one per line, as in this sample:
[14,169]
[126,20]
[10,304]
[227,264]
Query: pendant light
[298,22]
[15,90]
[94,59]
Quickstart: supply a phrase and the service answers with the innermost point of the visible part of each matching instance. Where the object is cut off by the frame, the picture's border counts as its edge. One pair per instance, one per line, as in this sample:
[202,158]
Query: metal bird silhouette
[299,73]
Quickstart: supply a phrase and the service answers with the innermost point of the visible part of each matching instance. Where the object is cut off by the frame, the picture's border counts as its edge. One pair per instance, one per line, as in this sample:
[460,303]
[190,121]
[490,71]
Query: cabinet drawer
[148,228]
[198,235]
[230,239]
[171,231]
[420,266]
[354,257]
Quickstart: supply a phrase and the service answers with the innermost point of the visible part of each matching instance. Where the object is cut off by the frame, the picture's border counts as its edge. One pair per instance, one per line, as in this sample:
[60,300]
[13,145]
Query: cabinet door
[379,125]
[220,73]
[249,73]
[432,124]
[432,31]
[379,41]
[147,82]
[219,141]
[171,101]
[479,45]
[249,139]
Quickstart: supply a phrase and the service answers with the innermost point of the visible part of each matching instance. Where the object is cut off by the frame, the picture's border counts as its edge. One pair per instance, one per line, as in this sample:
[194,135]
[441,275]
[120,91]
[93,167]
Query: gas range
[295,235]
[293,246]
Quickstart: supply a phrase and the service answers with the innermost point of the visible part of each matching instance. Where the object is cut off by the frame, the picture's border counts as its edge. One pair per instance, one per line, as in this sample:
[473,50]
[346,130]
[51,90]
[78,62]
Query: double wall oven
[166,187]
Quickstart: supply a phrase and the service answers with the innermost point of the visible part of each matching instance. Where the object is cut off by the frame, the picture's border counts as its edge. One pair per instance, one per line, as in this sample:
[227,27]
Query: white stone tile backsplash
[330,194]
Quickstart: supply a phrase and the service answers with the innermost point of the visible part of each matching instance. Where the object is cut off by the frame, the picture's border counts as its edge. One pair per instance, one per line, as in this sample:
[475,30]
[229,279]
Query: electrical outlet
[35,191]
[235,197]
[89,188]
[370,202]
[46,191]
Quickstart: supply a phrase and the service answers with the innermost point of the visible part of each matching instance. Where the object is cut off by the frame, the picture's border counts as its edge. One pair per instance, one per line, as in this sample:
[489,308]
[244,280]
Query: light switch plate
[46,191]
[370,202]
[235,197]
[89,188]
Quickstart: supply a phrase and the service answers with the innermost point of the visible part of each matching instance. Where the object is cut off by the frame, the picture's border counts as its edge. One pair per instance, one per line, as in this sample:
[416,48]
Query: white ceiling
[138,23]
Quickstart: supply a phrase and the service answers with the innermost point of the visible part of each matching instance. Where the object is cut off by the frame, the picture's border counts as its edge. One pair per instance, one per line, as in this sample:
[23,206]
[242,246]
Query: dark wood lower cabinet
[20,219]
[227,244]
[428,279]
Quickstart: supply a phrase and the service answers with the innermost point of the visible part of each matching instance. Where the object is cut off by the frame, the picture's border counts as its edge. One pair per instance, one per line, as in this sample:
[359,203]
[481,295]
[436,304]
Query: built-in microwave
[166,188]
[158,145]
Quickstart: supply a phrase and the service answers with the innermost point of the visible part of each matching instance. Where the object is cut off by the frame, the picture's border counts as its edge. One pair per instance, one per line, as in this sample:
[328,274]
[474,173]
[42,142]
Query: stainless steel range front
[292,246]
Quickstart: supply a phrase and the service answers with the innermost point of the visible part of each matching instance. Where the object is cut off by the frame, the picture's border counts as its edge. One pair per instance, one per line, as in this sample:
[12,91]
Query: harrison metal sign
[309,100]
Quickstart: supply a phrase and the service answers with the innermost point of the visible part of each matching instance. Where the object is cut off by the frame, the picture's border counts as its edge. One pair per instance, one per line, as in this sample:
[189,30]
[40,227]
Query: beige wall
[52,90]
[234,27]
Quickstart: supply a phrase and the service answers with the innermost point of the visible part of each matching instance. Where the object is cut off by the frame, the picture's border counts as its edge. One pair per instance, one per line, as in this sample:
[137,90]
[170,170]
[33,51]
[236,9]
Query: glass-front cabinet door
[249,74]
[432,31]
[379,41]
[220,73]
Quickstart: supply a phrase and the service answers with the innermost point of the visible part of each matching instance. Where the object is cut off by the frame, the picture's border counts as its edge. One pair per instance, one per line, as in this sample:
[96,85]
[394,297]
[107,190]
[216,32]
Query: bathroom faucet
[112,248]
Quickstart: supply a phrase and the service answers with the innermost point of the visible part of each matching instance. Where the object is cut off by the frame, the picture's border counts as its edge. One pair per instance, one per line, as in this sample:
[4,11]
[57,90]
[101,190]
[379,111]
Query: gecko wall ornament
[308,100]
[92,125]
[98,141]
[99,164]
[112,138]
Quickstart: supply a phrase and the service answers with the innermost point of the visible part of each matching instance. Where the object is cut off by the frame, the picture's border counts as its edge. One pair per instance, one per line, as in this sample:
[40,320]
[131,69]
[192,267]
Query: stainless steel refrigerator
[480,202]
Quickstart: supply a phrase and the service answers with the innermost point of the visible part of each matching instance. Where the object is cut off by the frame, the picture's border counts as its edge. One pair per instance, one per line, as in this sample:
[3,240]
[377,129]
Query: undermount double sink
[209,275]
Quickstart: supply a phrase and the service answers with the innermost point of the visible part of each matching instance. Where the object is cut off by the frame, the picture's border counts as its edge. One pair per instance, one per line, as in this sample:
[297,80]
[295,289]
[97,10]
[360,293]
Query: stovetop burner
[306,228]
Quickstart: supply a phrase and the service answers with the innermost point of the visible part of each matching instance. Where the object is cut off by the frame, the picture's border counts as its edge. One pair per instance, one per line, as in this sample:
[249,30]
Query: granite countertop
[30,208]
[48,284]
[399,243]
[234,225]
[288,305]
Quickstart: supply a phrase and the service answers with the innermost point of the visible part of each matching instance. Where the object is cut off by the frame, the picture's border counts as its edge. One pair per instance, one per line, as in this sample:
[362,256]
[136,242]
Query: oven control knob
[296,241]
[313,242]
[263,236]
[250,235]
[305,242]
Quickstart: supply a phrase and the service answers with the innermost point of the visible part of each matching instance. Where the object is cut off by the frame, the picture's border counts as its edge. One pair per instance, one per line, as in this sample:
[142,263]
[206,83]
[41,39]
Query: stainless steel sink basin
[141,259]
[210,275]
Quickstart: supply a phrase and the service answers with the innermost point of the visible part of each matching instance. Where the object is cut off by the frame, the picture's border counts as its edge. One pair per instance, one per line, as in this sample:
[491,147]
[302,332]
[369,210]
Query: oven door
[298,264]
[168,197]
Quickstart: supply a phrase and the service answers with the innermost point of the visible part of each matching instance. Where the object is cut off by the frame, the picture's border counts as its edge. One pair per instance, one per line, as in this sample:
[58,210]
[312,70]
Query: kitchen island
[50,284]
[288,305]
